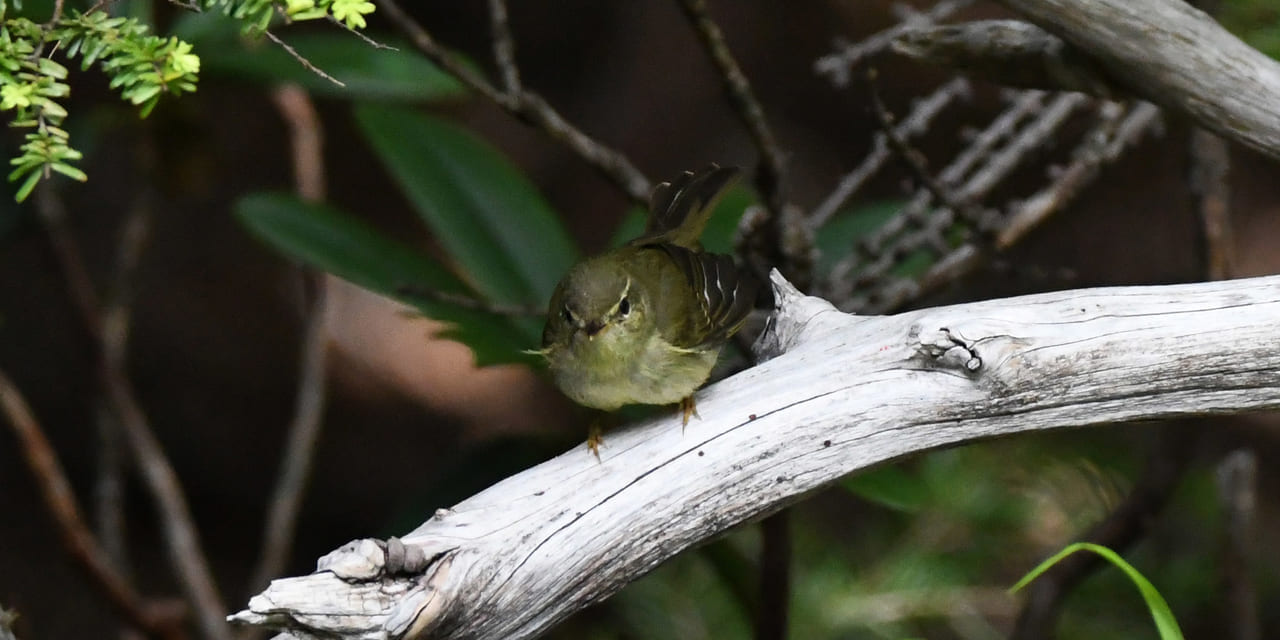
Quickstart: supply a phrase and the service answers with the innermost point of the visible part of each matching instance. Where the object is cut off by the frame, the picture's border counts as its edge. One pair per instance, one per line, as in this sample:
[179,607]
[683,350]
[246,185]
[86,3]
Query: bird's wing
[724,294]
[679,210]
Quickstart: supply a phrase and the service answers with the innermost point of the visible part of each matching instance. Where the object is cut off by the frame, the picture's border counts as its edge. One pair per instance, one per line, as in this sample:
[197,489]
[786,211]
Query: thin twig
[116,321]
[301,59]
[109,487]
[915,160]
[917,122]
[1237,478]
[304,431]
[932,224]
[526,106]
[1210,164]
[838,66]
[1116,130]
[182,540]
[162,618]
[1122,528]
[770,176]
[358,33]
[504,47]
[874,255]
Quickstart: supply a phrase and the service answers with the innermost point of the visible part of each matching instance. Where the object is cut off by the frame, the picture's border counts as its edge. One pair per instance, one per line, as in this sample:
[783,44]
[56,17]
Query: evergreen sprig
[142,66]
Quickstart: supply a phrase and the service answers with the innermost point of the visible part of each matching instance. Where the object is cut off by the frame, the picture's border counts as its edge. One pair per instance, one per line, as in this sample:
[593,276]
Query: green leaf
[331,240]
[630,228]
[27,186]
[367,72]
[69,171]
[889,486]
[723,224]
[835,238]
[505,238]
[1166,624]
[721,227]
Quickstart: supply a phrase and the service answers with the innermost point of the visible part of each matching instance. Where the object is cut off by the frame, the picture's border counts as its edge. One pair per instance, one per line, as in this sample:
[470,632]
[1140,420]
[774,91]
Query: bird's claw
[688,407]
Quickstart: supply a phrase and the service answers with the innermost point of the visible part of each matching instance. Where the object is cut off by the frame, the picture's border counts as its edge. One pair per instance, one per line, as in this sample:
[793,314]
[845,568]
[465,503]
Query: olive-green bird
[644,323]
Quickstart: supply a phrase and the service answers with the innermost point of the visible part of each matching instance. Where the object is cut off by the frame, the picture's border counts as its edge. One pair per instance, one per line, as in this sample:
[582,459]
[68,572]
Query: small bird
[644,323]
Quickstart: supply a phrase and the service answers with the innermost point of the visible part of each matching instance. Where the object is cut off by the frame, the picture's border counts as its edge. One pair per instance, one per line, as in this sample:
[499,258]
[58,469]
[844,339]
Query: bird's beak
[593,328]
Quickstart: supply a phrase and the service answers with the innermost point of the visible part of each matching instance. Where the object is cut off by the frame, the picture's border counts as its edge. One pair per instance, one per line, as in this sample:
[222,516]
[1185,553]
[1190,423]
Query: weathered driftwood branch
[1176,56]
[1009,52]
[837,393]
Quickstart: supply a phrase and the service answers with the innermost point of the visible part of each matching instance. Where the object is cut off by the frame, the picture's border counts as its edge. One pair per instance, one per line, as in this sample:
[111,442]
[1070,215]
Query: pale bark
[1176,56]
[839,393]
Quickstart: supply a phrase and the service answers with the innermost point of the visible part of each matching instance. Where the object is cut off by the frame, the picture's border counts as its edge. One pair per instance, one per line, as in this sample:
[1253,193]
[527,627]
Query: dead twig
[1011,53]
[162,618]
[1237,478]
[181,538]
[916,161]
[839,66]
[1210,166]
[527,106]
[280,524]
[302,60]
[504,48]
[117,316]
[922,113]
[770,175]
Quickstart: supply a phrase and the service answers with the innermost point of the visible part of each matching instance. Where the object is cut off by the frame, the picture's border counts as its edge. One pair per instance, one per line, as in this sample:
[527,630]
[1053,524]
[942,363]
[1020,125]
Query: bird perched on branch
[644,323]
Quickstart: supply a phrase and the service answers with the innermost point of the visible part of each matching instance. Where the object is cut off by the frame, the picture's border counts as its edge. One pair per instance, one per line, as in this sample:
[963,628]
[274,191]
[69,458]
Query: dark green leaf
[721,227]
[328,239]
[630,228]
[889,486]
[506,240]
[367,72]
[835,239]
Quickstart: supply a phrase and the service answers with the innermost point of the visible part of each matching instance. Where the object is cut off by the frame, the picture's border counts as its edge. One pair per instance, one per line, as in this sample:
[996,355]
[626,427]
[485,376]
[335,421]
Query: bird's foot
[595,436]
[688,407]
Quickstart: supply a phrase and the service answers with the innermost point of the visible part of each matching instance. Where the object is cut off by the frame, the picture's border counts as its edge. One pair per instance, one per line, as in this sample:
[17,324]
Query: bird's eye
[624,307]
[567,314]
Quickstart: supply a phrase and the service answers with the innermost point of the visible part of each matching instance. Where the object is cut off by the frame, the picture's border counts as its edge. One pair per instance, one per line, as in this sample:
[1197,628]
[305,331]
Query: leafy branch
[141,65]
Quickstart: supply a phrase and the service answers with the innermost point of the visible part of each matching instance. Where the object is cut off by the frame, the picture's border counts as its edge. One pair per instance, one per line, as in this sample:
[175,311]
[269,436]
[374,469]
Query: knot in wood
[949,350]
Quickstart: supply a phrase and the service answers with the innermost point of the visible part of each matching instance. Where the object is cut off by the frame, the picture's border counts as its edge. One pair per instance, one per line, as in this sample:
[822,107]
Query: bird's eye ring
[567,314]
[624,306]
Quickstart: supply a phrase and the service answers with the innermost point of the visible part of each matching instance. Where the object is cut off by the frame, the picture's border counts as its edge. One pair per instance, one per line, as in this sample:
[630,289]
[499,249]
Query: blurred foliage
[140,65]
[933,528]
[1164,620]
[1257,22]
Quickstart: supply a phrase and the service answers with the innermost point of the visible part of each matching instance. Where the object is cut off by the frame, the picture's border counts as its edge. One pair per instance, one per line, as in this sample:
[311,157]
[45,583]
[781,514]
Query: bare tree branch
[916,122]
[527,106]
[1237,477]
[181,537]
[1210,164]
[770,177]
[504,47]
[1010,53]
[837,393]
[1176,56]
[307,138]
[838,66]
[163,619]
